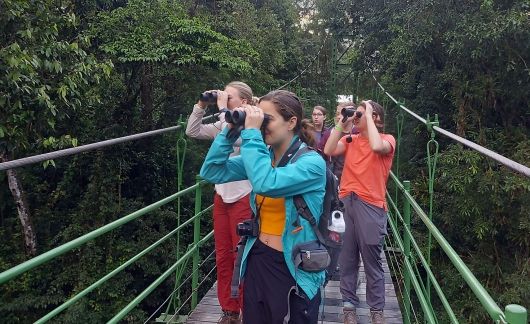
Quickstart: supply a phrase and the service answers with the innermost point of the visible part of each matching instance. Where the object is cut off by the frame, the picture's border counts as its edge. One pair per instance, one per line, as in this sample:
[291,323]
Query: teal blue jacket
[306,177]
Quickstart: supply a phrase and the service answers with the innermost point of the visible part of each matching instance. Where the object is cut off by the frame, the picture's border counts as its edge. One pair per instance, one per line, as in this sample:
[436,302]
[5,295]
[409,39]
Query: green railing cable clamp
[400,103]
[430,124]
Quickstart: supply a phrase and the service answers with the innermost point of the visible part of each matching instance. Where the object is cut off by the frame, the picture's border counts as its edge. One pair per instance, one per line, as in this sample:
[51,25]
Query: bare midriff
[274,241]
[272,220]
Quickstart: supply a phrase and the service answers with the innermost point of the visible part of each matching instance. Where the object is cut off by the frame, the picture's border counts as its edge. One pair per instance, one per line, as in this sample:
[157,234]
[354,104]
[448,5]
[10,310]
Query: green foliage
[468,63]
[45,75]
[83,71]
[160,31]
[116,68]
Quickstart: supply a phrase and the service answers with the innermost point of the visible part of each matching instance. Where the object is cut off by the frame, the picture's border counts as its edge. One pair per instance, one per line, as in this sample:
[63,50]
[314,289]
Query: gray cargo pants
[366,227]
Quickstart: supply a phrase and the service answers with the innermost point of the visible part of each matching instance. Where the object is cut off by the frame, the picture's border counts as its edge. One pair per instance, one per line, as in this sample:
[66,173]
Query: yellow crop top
[272,214]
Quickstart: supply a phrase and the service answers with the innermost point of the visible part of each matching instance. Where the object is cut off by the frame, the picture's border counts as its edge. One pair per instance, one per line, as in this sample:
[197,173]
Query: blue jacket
[306,177]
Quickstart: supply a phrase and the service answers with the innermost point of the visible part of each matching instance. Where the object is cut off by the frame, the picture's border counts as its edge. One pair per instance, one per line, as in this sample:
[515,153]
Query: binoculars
[208,96]
[237,118]
[349,112]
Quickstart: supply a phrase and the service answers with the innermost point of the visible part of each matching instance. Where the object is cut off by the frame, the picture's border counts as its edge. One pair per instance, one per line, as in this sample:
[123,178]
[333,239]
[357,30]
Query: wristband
[338,128]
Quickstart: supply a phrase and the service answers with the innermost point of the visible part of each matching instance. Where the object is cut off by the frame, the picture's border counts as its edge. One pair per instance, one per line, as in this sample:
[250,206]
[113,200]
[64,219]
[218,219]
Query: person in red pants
[231,201]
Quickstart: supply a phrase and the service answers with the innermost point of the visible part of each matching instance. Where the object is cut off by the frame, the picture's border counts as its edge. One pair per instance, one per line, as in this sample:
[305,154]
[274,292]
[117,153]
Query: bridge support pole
[333,73]
[516,314]
[196,239]
[406,251]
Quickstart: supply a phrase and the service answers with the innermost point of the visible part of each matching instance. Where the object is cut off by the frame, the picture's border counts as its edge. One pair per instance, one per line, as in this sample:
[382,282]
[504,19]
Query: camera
[347,112]
[249,227]
[208,96]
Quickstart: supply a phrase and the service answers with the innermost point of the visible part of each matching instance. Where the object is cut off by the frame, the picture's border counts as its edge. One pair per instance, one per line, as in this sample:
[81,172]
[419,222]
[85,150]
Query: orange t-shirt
[365,172]
[271,214]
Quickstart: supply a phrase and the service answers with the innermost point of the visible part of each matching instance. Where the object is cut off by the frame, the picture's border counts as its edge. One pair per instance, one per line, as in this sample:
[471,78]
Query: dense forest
[77,72]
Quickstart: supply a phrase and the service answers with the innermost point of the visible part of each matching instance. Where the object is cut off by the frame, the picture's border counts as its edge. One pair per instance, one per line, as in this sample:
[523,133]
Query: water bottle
[337,226]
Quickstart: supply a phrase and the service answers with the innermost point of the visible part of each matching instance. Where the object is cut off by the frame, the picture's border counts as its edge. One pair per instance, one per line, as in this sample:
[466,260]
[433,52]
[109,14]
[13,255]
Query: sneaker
[350,316]
[376,317]
[229,317]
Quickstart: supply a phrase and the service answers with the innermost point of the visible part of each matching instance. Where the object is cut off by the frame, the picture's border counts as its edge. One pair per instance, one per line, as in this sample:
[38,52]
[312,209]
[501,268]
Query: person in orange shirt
[368,159]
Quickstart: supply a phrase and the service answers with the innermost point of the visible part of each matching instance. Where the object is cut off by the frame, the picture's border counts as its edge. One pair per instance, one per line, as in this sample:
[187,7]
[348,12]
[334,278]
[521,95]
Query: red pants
[225,218]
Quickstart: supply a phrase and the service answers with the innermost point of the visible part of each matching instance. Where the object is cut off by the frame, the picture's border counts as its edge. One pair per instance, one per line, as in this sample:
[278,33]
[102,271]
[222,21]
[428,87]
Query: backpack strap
[304,211]
[300,152]
[236,280]
[299,201]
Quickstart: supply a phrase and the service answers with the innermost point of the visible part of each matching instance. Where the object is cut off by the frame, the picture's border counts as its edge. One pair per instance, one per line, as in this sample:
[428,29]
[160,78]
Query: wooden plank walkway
[208,311]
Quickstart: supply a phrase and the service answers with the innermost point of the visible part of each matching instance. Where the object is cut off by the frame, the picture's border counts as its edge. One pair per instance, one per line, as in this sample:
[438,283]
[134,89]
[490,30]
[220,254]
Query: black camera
[208,96]
[349,112]
[249,228]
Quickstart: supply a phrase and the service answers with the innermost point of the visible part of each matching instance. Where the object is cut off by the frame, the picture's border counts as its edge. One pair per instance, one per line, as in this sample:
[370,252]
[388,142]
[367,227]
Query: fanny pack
[311,256]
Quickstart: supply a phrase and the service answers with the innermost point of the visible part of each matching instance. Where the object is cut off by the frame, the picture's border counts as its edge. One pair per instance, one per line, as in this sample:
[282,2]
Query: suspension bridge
[412,284]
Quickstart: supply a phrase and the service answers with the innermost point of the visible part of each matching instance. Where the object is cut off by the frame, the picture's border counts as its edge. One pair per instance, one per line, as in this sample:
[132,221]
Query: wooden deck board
[209,311]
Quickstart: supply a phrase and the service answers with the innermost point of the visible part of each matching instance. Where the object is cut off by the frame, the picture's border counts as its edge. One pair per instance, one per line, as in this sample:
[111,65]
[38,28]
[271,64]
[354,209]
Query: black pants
[266,289]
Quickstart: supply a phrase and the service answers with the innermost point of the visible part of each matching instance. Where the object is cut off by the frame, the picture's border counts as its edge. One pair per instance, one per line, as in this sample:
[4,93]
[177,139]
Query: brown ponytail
[307,132]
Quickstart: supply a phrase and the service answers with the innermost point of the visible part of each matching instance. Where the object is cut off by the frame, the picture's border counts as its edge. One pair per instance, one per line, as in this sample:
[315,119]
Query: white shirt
[229,192]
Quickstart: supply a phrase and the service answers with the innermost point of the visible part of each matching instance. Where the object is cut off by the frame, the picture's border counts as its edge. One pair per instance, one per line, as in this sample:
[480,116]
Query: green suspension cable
[182,146]
[399,125]
[432,158]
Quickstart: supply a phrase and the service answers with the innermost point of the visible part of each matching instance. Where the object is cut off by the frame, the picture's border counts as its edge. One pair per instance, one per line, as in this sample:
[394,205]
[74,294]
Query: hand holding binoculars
[208,96]
[237,119]
[348,112]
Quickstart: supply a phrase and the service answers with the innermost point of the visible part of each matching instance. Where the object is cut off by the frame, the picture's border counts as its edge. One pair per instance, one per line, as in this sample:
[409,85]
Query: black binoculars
[237,118]
[208,96]
[350,112]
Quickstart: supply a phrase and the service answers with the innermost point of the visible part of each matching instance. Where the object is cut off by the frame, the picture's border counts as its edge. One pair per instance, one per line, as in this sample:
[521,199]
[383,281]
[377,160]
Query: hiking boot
[350,316]
[229,317]
[376,317]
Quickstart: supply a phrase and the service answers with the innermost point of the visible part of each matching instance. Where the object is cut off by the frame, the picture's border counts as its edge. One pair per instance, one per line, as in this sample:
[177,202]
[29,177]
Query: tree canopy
[76,72]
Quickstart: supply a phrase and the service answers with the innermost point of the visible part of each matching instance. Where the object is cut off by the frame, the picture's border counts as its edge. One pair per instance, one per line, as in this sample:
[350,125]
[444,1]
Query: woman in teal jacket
[267,265]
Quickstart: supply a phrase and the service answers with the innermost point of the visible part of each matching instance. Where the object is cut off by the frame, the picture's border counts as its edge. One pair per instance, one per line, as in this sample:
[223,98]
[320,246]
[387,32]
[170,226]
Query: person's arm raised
[377,144]
[218,166]
[333,146]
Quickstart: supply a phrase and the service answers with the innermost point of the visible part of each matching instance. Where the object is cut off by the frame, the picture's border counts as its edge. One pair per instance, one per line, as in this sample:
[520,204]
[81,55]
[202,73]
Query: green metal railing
[192,253]
[402,237]
[401,240]
[512,313]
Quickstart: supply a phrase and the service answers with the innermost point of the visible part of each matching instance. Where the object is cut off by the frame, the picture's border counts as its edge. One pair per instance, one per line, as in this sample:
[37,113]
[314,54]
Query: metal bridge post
[333,73]
[516,314]
[196,239]
[406,248]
